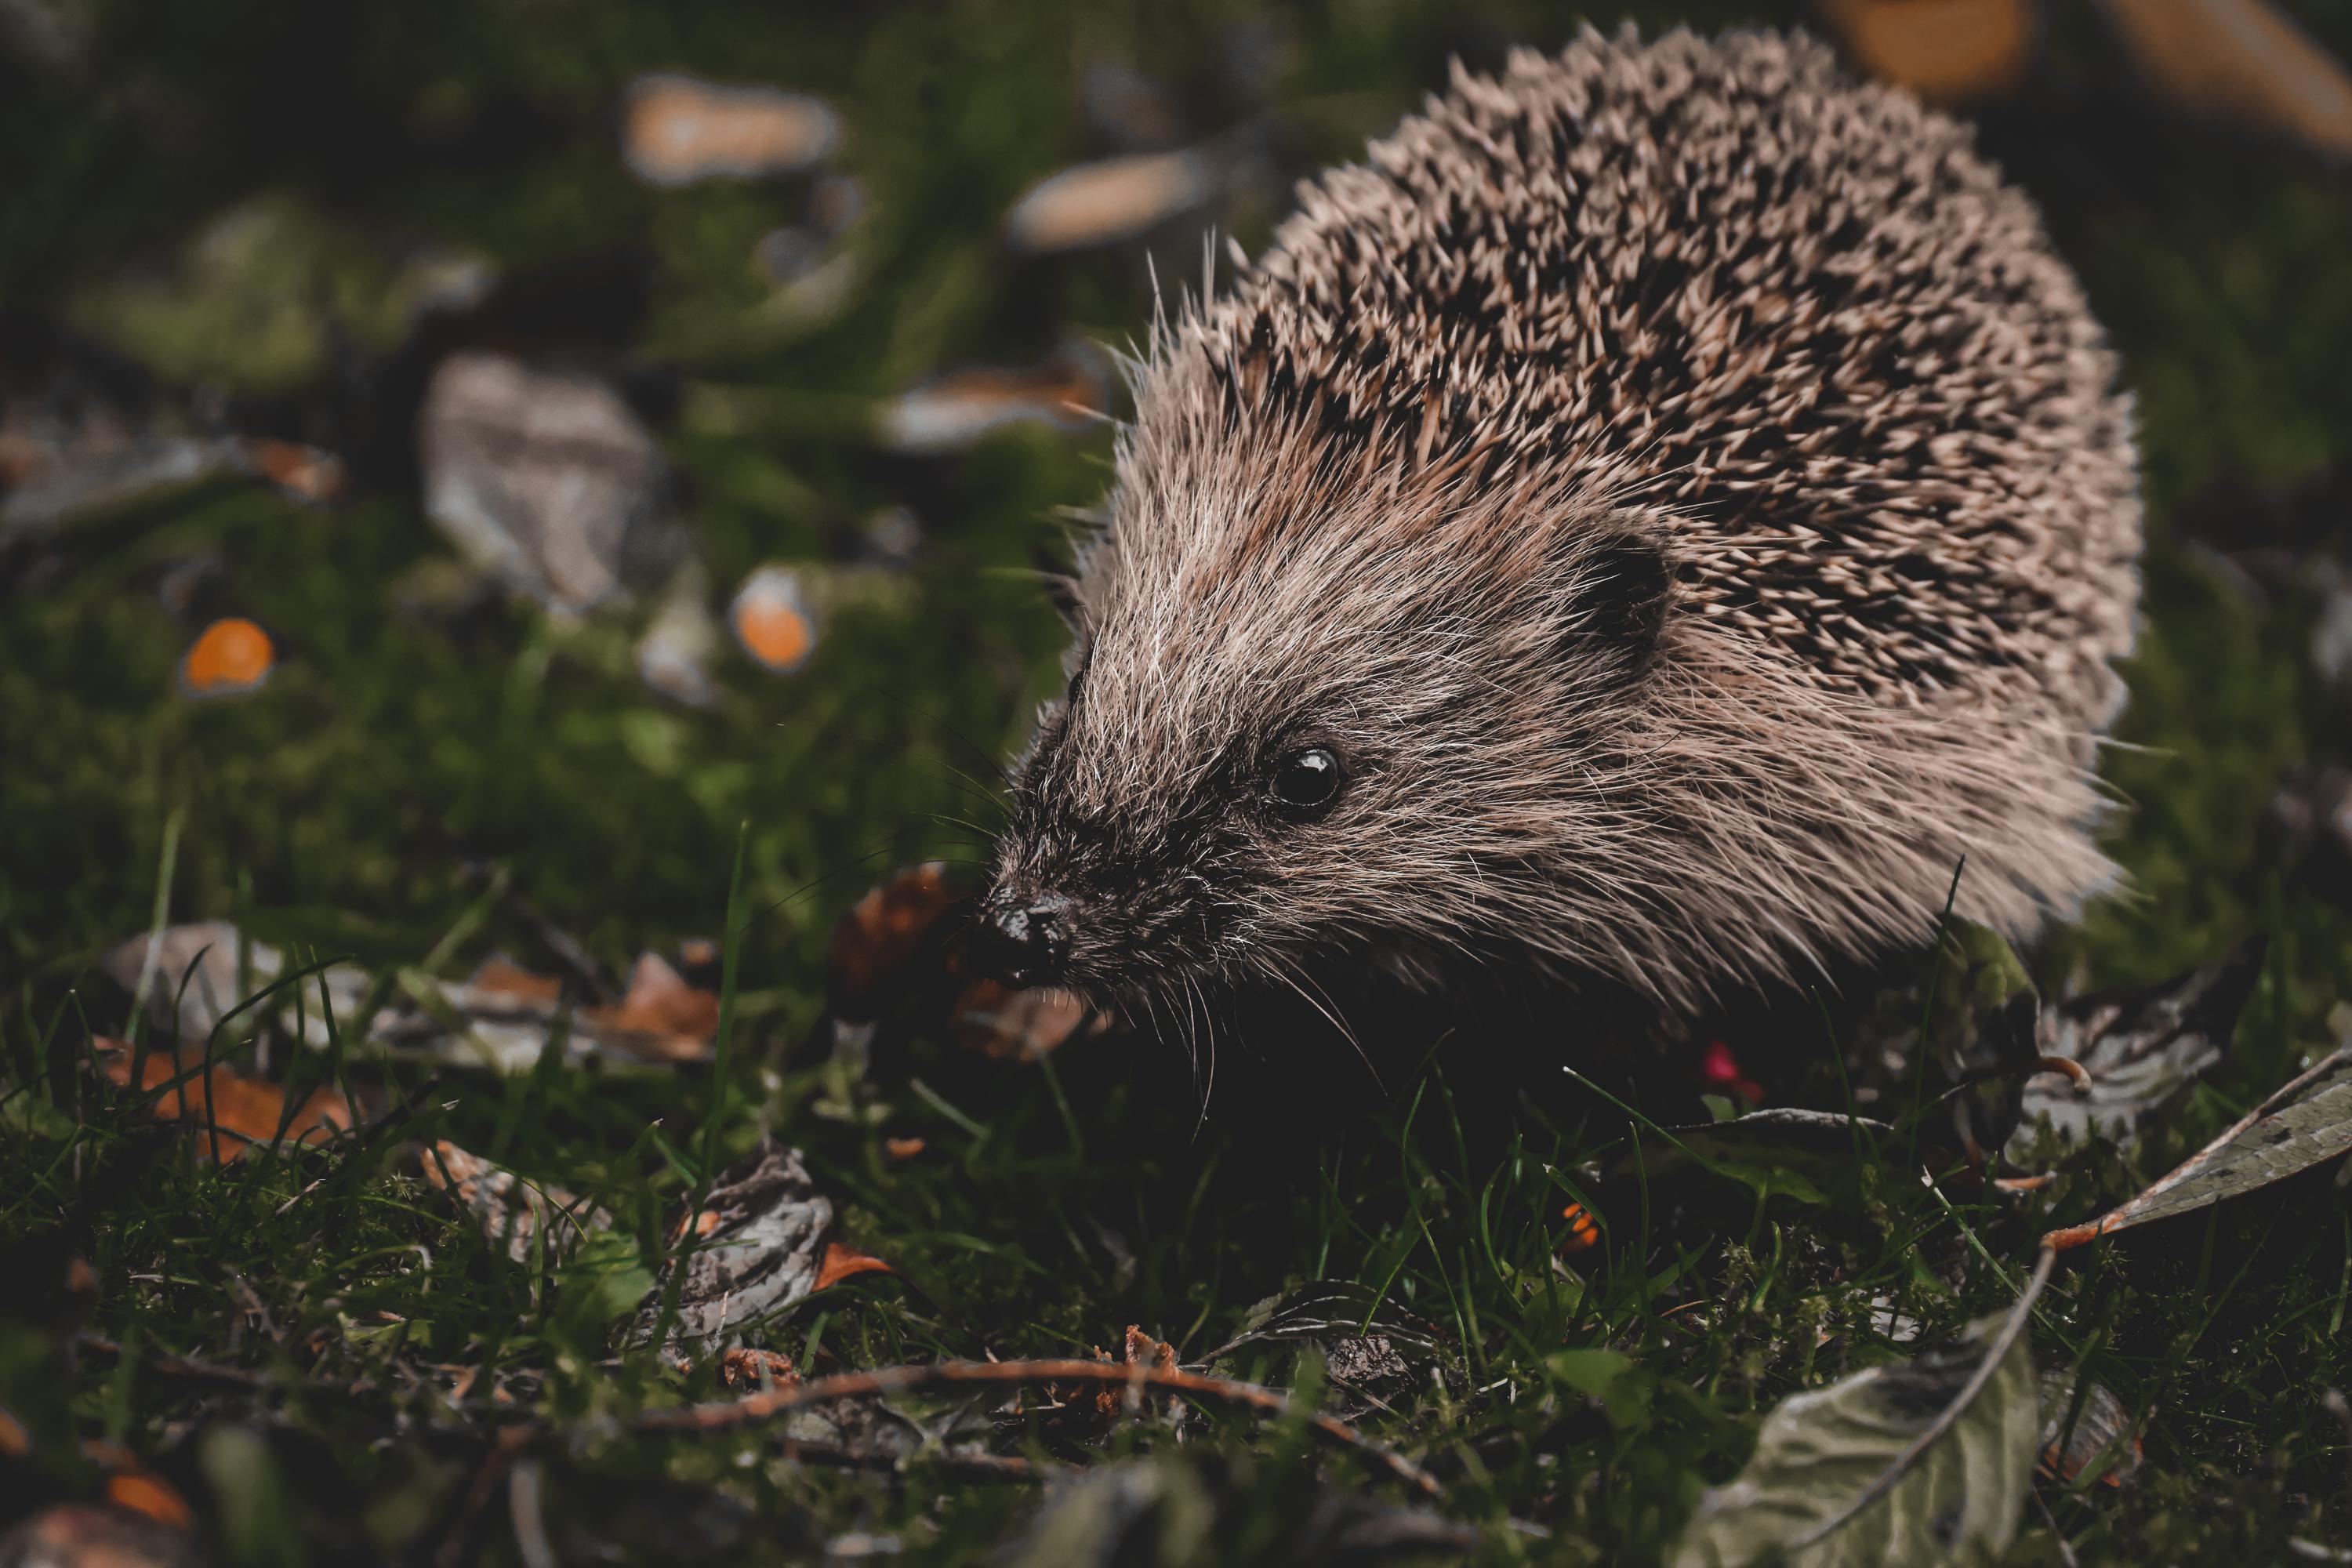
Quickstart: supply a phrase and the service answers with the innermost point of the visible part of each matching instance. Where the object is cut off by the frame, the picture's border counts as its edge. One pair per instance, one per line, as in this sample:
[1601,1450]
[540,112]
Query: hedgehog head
[1319,699]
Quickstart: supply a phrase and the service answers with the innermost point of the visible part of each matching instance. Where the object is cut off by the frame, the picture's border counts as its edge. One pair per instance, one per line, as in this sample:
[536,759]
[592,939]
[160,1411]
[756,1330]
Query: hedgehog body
[1659,518]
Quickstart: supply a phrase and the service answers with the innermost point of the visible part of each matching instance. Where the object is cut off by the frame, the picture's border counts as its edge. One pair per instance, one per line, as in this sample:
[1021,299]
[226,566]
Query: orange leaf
[840,1263]
[228,656]
[1947,51]
[867,955]
[243,1110]
[1019,1024]
[131,1485]
[676,1020]
[902,1148]
[772,619]
[502,976]
[749,1369]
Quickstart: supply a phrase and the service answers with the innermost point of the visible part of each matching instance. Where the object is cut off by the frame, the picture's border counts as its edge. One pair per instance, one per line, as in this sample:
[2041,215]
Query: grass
[346,808]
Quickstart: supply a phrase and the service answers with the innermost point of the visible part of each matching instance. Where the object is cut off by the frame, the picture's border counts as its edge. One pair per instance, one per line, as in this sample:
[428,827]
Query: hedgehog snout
[1023,936]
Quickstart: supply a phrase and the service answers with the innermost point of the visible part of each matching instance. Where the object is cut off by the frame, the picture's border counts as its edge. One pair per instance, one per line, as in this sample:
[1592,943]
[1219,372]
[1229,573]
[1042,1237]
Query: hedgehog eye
[1306,783]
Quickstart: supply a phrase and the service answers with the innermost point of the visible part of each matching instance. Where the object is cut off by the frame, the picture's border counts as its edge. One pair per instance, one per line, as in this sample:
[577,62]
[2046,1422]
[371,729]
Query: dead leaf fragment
[1065,391]
[510,1210]
[874,945]
[2305,1122]
[841,1262]
[84,1535]
[1016,1026]
[231,1111]
[2243,61]
[754,1369]
[771,620]
[229,658]
[661,1015]
[130,1485]
[2103,1420]
[677,129]
[2138,1047]
[543,475]
[1112,200]
[761,1248]
[1947,51]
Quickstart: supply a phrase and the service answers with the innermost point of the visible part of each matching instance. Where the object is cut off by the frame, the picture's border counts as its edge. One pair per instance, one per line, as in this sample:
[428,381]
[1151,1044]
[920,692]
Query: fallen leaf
[1821,1453]
[2305,1122]
[754,1369]
[301,473]
[1113,200]
[760,1248]
[2103,1420]
[771,620]
[84,1535]
[677,129]
[2243,61]
[544,474]
[885,935]
[229,658]
[1329,1312]
[673,654]
[1947,51]
[841,1262]
[2139,1047]
[512,1211]
[1016,1026]
[661,1015]
[131,1485]
[902,1148]
[231,1111]
[1066,391]
[1583,1231]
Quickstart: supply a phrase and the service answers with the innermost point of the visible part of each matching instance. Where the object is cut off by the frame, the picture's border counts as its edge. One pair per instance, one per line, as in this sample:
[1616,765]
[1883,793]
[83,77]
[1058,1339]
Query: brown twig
[2067,1067]
[968,1463]
[727,1416]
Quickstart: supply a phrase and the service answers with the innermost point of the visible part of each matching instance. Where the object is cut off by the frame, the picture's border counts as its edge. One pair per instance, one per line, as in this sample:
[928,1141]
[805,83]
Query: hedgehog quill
[1651,521]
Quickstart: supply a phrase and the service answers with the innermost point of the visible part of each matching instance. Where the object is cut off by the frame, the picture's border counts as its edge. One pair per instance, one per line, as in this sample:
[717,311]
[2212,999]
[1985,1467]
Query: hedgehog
[1664,520]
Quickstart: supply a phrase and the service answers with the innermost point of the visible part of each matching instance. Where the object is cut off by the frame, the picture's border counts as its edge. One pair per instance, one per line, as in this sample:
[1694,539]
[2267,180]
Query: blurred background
[547,433]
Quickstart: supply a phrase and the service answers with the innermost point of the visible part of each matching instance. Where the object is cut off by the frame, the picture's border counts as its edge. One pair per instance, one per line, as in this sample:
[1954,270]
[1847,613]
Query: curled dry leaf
[1017,1026]
[753,1369]
[885,935]
[2308,1120]
[229,658]
[2138,1047]
[1921,1462]
[661,1017]
[1947,51]
[1115,199]
[2243,61]
[85,1535]
[677,129]
[2101,1432]
[231,1112]
[544,474]
[130,1485]
[1065,391]
[514,1212]
[761,1247]
[771,620]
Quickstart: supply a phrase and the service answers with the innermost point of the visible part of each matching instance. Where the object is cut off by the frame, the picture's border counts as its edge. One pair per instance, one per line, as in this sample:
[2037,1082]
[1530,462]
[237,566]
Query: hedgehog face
[1328,746]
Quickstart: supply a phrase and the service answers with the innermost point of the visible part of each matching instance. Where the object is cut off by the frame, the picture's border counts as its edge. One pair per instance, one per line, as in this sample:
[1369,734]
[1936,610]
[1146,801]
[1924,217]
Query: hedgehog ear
[1624,585]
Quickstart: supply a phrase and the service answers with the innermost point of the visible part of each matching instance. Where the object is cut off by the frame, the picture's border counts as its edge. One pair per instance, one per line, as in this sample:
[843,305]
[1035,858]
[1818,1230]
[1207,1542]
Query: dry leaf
[771,620]
[750,1370]
[1064,392]
[228,657]
[1016,1026]
[873,946]
[2304,1124]
[761,1248]
[2104,1419]
[676,131]
[2139,1047]
[841,1262]
[2243,61]
[1947,51]
[1116,199]
[131,1485]
[511,1210]
[302,473]
[83,1535]
[231,1111]
[902,1148]
[661,1017]
[545,476]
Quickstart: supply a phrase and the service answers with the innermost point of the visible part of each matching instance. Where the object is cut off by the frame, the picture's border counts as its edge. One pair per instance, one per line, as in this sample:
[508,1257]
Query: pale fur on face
[1683,490]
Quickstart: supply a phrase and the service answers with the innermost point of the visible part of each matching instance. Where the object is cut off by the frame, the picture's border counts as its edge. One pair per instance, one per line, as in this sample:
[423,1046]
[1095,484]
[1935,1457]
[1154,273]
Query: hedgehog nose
[1024,938]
